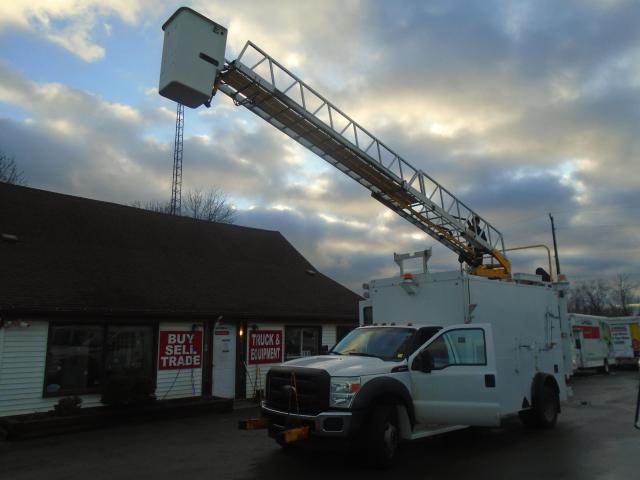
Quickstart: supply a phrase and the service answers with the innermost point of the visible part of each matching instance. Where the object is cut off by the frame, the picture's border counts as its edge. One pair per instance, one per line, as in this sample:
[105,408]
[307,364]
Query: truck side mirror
[423,362]
[324,350]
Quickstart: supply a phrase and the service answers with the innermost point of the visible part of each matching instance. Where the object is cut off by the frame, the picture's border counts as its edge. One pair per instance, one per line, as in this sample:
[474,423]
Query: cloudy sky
[521,108]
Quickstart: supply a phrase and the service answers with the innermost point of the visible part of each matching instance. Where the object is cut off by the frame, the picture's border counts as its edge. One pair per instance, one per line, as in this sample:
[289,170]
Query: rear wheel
[383,436]
[544,413]
[548,409]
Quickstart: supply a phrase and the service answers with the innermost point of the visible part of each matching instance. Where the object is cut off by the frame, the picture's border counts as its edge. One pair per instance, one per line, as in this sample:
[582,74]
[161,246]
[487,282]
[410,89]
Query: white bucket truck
[436,352]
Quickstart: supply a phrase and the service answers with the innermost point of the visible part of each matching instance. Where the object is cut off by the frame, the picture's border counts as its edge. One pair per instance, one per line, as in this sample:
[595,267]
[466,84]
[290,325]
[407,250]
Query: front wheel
[383,436]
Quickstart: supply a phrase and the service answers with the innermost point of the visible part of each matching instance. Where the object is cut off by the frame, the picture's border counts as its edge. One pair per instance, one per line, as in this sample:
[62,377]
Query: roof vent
[9,238]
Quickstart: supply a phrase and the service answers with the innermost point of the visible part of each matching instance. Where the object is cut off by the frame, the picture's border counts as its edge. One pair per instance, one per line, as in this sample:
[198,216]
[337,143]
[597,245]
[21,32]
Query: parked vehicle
[625,333]
[439,352]
[592,346]
[436,352]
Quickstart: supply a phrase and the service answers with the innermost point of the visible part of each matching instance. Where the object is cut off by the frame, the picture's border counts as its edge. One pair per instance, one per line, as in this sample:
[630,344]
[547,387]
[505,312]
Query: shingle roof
[78,255]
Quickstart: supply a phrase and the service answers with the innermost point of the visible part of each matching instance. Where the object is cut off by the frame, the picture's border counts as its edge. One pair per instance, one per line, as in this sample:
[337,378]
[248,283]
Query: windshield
[385,343]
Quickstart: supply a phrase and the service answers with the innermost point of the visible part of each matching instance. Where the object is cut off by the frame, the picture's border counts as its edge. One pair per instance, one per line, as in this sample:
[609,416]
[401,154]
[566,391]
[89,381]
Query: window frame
[105,326]
[447,343]
[302,327]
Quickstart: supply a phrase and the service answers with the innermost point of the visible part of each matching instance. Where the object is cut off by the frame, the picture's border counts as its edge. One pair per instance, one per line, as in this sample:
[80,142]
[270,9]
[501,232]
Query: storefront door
[224,361]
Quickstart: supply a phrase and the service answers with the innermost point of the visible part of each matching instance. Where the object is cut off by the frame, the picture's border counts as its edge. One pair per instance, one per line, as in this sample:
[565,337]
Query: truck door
[453,378]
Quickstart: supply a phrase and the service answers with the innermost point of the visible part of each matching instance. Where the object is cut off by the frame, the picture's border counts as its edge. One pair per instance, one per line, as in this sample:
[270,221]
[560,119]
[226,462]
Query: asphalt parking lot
[594,439]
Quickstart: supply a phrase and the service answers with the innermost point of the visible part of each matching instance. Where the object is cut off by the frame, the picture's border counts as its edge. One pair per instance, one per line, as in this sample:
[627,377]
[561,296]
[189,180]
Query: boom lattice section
[275,94]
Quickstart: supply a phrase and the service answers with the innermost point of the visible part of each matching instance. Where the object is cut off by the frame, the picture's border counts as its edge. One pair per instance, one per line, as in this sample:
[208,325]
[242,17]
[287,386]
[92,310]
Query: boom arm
[258,82]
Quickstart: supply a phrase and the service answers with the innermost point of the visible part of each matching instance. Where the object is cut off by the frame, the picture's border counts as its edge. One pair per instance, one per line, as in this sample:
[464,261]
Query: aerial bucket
[192,56]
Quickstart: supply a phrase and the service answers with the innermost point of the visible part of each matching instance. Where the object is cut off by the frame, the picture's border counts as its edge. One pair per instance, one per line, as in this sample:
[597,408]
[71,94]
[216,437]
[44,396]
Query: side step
[424,431]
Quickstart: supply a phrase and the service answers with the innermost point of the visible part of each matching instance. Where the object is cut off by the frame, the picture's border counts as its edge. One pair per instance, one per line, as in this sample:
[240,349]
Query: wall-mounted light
[14,323]
[241,332]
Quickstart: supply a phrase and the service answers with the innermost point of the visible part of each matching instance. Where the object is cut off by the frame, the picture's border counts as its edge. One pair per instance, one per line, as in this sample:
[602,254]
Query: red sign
[588,332]
[180,350]
[265,346]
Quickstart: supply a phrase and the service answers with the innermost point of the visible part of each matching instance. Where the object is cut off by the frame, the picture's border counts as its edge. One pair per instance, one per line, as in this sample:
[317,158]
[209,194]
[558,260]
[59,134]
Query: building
[99,297]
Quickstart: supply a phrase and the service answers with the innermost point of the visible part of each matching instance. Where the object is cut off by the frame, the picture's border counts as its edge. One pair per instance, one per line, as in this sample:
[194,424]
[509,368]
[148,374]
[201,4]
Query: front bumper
[332,424]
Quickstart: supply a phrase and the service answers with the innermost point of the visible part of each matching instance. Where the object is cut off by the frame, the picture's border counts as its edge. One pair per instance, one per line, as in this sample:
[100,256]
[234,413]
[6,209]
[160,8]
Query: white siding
[22,363]
[179,383]
[329,335]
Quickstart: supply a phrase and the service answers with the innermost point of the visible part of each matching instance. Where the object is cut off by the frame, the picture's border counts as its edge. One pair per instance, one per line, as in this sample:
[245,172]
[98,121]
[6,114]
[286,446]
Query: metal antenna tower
[176,184]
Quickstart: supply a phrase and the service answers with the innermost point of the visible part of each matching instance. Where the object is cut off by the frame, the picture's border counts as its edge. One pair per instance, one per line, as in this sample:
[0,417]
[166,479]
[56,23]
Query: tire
[544,413]
[383,436]
[547,413]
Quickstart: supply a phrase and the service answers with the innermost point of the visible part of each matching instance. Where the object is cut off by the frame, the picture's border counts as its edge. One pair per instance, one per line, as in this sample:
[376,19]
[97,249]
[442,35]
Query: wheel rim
[390,439]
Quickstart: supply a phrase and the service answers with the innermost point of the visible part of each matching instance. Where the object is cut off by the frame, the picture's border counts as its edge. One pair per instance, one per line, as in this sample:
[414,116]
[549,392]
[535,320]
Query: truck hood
[345,365]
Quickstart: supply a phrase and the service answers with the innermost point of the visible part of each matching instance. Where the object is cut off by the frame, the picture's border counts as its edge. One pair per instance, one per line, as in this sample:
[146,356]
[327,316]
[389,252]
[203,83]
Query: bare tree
[591,298]
[211,206]
[9,172]
[153,205]
[623,294]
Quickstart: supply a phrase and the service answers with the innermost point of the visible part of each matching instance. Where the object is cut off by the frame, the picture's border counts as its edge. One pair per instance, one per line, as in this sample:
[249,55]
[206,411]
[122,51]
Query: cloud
[519,109]
[70,24]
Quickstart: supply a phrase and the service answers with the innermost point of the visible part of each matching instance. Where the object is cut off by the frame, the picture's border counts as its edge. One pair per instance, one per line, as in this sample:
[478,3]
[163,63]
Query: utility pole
[555,246]
[176,183]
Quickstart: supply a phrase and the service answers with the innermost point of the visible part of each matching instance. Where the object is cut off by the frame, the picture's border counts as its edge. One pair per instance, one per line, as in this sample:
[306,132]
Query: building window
[74,359]
[81,357]
[302,341]
[129,351]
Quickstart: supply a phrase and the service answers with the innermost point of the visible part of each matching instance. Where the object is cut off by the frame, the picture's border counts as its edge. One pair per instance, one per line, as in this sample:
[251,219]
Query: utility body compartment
[528,322]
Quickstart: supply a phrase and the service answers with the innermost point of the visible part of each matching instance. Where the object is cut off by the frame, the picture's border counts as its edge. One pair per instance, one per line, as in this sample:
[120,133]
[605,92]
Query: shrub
[68,406]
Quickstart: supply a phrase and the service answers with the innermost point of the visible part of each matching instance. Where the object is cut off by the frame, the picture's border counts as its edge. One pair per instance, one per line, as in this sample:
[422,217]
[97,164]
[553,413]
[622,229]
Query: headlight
[343,389]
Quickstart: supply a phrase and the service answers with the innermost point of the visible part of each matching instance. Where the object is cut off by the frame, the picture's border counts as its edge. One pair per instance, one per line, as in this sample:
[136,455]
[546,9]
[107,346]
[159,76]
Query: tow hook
[253,424]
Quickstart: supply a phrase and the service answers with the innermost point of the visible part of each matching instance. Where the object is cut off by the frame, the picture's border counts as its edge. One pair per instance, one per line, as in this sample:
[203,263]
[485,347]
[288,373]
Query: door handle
[490,380]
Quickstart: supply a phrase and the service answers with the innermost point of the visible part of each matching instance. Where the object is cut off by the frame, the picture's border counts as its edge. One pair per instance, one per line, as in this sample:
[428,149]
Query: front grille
[311,385]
